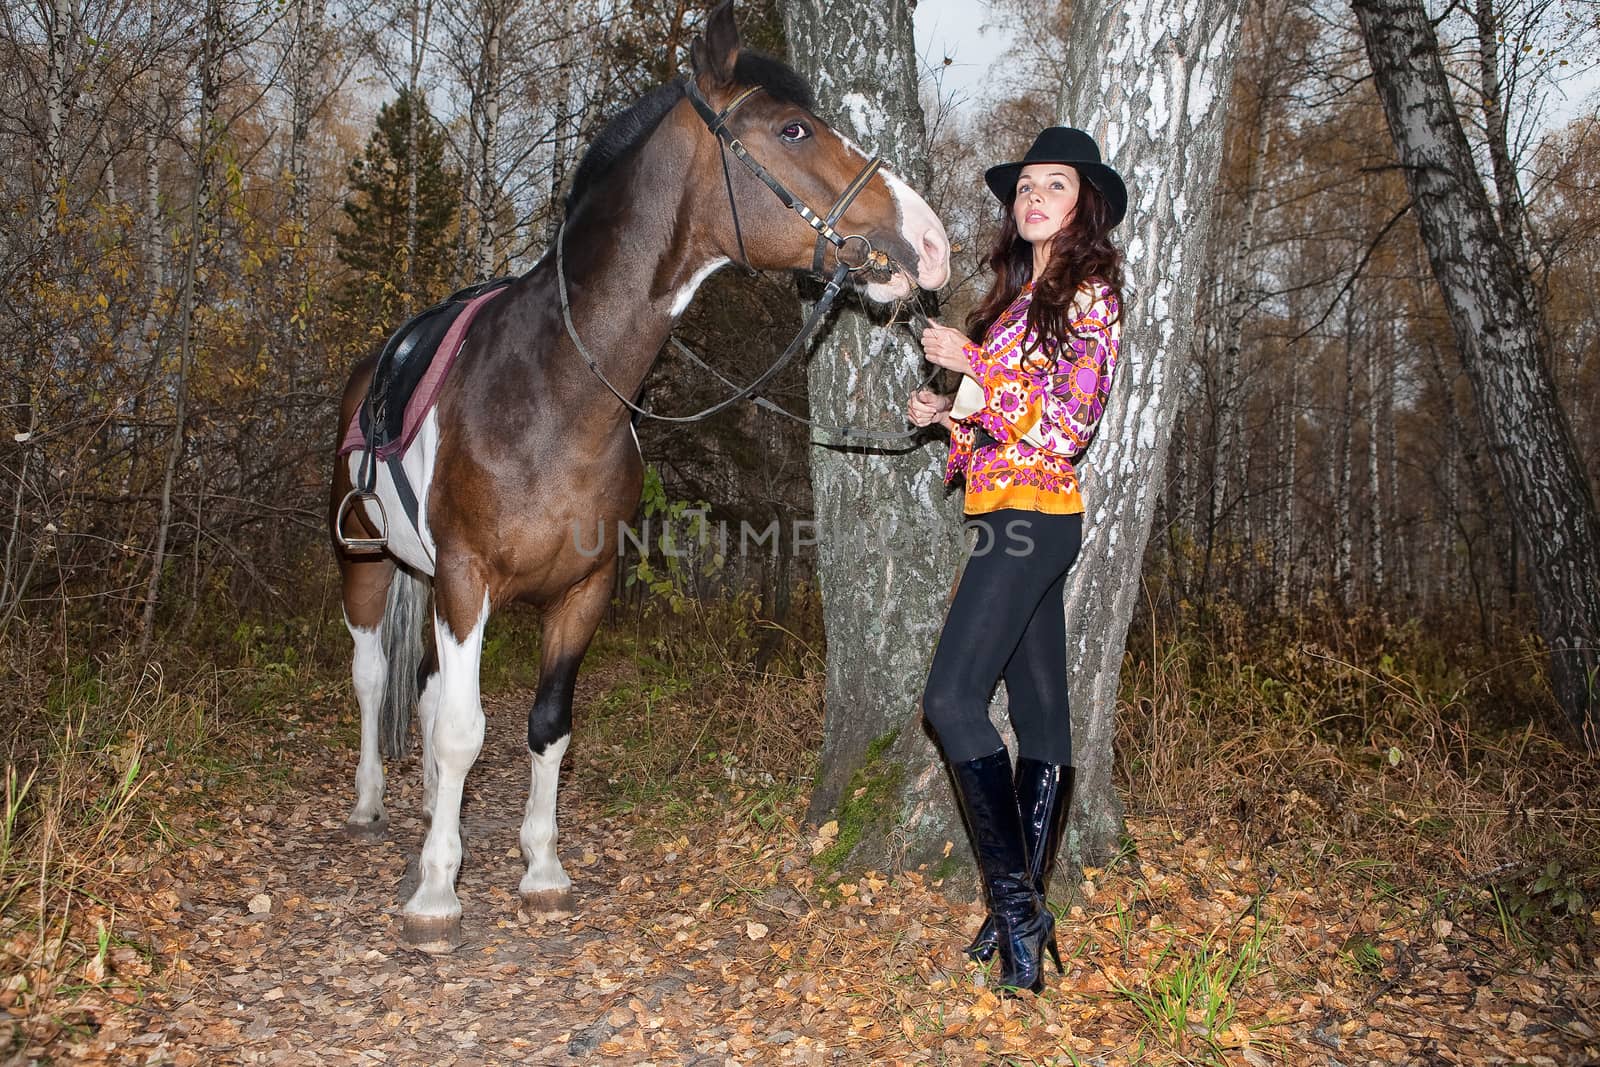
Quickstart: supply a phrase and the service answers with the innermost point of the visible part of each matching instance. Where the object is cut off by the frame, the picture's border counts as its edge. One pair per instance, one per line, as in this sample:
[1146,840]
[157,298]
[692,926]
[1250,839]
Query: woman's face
[1047,198]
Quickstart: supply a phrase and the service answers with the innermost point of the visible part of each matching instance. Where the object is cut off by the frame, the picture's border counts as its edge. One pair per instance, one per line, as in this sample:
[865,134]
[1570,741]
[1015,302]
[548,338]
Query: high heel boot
[1044,793]
[1024,927]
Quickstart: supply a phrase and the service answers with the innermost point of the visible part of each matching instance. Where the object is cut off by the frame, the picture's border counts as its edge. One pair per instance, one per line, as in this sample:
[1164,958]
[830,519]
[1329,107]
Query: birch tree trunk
[887,533]
[1508,189]
[1548,499]
[61,33]
[490,77]
[294,272]
[1151,85]
[421,13]
[1283,542]
[1344,549]
[210,75]
[1376,579]
[562,123]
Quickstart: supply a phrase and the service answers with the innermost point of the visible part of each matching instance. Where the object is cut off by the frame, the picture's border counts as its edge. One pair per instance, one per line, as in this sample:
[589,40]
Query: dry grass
[1343,759]
[1382,754]
[710,688]
[99,752]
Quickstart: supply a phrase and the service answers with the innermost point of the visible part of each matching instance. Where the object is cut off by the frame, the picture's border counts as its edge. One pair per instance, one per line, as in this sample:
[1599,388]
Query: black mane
[629,129]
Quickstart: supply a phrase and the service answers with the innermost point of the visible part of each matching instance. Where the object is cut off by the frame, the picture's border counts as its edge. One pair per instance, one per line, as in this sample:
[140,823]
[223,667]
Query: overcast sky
[967,33]
[957,29]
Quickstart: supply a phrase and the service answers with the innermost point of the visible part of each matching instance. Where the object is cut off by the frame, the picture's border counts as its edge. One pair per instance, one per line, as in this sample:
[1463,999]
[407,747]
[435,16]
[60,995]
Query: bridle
[871,259]
[717,123]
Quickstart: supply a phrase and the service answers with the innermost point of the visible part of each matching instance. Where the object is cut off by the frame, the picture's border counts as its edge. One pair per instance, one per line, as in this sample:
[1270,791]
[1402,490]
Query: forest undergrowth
[1328,824]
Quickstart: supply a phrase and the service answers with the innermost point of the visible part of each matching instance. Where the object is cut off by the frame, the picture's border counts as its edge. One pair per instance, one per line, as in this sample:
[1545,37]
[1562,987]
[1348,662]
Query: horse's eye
[795,132]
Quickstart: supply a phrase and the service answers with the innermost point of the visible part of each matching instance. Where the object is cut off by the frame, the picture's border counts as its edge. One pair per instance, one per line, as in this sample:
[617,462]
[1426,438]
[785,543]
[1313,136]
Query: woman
[1035,385]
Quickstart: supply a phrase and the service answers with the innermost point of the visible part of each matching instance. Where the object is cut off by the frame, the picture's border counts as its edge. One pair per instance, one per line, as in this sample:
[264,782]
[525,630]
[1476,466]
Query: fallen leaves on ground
[704,935]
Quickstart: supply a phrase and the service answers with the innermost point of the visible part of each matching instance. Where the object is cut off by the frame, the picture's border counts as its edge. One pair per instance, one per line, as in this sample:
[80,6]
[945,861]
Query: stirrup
[360,544]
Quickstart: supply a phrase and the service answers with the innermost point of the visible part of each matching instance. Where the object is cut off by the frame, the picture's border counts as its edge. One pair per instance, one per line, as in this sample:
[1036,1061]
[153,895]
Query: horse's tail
[403,616]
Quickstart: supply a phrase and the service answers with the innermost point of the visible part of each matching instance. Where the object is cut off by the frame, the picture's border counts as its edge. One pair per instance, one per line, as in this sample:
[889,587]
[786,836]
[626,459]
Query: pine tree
[391,279]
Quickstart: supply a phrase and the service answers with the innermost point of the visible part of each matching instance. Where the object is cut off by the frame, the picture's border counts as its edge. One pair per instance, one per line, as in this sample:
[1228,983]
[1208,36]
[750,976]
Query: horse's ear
[714,54]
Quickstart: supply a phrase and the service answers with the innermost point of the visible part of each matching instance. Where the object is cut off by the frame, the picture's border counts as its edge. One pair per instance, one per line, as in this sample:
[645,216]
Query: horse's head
[766,110]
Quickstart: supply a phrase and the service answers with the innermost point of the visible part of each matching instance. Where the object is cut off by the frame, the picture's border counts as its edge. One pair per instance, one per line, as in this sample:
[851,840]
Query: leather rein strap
[829,293]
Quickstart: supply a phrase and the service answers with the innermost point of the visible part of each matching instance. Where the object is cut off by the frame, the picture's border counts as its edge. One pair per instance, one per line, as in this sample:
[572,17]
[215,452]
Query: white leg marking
[457,738]
[367,668]
[538,835]
[427,712]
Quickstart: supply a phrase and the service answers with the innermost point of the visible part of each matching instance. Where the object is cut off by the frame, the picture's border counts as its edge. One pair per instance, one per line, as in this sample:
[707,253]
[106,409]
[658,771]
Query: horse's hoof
[427,933]
[367,830]
[549,904]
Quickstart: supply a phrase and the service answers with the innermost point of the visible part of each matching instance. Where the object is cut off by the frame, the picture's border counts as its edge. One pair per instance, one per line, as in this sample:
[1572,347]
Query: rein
[873,259]
[847,433]
[829,294]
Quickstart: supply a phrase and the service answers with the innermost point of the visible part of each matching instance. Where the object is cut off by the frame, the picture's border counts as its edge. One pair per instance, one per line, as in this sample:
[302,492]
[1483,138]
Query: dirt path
[704,935]
[322,977]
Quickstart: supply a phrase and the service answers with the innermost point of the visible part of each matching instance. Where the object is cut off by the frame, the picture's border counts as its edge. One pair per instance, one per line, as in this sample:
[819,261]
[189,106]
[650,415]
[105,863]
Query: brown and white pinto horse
[526,446]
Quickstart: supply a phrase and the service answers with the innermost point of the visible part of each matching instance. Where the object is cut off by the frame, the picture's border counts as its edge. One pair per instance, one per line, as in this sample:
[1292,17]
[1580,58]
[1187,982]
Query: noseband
[717,123]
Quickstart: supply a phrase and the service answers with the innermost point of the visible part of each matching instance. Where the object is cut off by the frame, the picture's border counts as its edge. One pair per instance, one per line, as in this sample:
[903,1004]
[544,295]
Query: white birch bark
[60,35]
[1344,535]
[1398,542]
[1376,579]
[1240,280]
[490,89]
[421,17]
[1547,493]
[887,533]
[1283,542]
[1150,81]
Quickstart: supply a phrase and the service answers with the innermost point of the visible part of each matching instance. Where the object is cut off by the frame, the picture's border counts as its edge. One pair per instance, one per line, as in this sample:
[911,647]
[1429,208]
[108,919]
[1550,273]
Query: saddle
[388,418]
[405,383]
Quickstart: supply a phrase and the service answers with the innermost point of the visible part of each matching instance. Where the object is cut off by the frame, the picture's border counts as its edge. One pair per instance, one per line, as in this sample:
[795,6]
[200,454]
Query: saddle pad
[396,374]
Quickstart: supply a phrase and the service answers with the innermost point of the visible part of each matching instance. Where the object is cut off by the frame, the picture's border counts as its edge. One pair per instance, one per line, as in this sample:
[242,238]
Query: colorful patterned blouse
[1053,396]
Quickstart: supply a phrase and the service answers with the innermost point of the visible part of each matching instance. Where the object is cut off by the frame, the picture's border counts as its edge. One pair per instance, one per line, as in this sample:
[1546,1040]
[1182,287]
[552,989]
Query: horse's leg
[428,688]
[365,587]
[569,624]
[461,608]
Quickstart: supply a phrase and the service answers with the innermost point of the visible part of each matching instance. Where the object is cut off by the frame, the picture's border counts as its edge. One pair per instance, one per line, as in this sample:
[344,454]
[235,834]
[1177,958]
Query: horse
[531,435]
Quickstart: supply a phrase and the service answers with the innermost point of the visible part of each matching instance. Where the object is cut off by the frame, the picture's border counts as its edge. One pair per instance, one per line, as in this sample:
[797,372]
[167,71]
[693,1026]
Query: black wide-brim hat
[1063,144]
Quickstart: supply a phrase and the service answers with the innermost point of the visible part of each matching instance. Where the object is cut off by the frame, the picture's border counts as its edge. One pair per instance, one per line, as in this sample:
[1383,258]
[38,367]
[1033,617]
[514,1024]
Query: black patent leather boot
[1044,793]
[1024,927]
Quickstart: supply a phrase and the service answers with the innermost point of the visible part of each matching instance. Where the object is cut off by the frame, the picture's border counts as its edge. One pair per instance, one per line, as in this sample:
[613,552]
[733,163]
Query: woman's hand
[927,407]
[946,348]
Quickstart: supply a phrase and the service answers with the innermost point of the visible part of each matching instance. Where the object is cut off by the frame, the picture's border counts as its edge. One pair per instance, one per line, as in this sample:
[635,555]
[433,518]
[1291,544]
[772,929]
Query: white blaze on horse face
[922,230]
[367,669]
[680,299]
[538,837]
[413,547]
[919,227]
[457,739]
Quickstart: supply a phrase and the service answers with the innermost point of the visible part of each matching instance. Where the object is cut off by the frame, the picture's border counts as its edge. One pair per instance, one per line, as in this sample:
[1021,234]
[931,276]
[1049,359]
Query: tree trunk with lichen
[1155,101]
[887,532]
[1486,294]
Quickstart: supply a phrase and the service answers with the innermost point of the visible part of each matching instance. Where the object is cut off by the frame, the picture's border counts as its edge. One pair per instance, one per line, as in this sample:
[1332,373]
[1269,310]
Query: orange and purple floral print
[1052,395]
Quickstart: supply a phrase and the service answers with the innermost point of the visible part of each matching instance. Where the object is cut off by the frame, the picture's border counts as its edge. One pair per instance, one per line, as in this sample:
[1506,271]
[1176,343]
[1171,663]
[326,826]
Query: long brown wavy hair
[1081,250]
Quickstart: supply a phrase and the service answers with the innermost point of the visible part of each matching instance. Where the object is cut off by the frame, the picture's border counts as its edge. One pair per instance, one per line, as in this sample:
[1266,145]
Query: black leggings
[1007,621]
